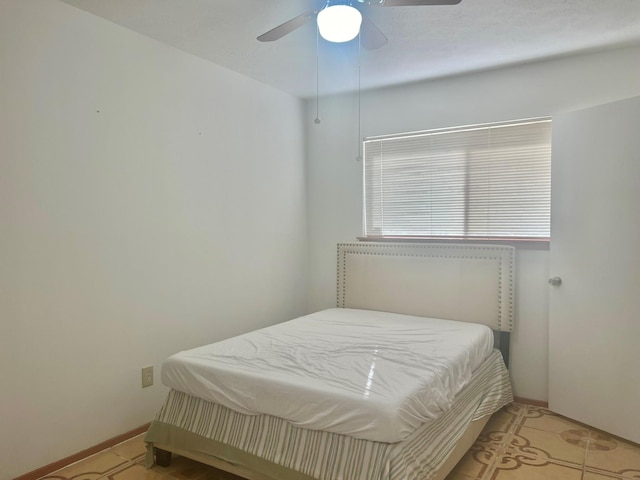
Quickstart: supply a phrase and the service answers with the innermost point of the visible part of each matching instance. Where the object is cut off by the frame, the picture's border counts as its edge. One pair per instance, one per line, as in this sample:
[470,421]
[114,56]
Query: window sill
[524,244]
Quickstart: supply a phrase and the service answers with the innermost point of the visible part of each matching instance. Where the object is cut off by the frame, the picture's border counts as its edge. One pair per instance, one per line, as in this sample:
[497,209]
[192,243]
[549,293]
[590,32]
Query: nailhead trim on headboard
[504,255]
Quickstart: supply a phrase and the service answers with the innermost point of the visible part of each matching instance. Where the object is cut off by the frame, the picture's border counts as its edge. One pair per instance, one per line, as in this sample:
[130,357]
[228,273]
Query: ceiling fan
[343,20]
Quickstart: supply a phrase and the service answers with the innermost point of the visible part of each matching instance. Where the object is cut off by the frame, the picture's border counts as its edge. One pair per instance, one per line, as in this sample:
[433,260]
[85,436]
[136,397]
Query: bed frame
[472,283]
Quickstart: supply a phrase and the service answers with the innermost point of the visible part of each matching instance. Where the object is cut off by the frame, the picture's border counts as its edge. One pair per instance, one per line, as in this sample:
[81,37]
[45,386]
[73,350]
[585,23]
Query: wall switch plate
[147,376]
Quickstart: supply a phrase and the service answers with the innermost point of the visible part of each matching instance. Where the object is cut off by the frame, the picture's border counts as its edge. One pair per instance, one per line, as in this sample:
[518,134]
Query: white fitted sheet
[371,375]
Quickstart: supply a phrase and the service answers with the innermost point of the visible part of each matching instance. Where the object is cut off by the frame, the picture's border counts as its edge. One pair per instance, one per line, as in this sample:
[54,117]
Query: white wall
[127,175]
[541,89]
[148,203]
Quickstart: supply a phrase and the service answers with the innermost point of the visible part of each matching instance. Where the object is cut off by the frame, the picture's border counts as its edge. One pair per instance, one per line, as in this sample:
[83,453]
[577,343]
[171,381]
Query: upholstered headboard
[471,283]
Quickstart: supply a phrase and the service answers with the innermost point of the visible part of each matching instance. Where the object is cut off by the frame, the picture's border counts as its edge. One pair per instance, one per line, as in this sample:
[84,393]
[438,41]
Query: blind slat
[487,180]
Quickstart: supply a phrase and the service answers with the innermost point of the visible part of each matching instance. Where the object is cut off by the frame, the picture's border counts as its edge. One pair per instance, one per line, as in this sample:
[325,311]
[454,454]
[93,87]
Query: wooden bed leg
[163,458]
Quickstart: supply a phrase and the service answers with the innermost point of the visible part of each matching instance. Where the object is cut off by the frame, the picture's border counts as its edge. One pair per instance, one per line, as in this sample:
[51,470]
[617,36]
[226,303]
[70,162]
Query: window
[483,182]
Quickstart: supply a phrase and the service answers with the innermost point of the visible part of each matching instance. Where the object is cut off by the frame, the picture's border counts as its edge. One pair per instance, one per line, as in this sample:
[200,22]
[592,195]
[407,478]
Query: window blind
[488,181]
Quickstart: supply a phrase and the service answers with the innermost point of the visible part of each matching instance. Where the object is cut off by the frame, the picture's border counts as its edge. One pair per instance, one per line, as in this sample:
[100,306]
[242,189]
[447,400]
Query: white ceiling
[424,42]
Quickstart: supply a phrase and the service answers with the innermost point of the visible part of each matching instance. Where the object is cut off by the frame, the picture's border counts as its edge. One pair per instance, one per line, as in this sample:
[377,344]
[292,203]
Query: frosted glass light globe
[339,23]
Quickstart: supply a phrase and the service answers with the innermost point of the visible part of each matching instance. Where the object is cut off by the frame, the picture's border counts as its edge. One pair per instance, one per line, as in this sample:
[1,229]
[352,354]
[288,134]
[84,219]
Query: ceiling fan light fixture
[339,23]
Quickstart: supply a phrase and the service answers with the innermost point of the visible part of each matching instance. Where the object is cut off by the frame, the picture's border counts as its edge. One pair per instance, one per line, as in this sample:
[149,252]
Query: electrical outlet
[147,376]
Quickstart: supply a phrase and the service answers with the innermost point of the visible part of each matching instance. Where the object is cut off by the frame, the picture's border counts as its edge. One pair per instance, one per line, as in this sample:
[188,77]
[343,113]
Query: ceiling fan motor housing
[371,37]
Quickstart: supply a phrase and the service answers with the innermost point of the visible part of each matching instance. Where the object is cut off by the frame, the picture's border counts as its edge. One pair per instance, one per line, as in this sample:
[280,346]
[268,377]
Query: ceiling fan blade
[371,37]
[287,27]
[413,3]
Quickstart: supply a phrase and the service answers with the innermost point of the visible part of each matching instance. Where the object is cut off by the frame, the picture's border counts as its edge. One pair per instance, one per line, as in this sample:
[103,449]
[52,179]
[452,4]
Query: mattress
[369,375]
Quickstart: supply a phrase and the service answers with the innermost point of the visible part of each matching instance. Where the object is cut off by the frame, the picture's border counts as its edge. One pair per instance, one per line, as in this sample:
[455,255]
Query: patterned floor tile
[92,468]
[475,464]
[513,468]
[182,468]
[504,420]
[132,449]
[135,472]
[459,476]
[520,442]
[547,445]
[545,420]
[611,454]
[597,476]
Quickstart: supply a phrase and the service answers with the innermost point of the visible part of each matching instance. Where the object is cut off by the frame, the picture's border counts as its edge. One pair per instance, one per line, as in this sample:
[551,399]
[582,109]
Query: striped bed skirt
[279,450]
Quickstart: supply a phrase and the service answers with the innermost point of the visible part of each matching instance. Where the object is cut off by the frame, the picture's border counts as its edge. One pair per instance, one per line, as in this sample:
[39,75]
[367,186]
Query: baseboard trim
[52,467]
[530,401]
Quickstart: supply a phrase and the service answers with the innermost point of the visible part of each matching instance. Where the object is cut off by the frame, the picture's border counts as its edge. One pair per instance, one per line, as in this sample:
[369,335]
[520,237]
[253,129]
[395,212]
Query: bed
[331,419]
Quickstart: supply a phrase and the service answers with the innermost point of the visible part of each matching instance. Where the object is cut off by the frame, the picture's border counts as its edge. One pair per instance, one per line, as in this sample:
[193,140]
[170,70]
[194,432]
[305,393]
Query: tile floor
[520,442]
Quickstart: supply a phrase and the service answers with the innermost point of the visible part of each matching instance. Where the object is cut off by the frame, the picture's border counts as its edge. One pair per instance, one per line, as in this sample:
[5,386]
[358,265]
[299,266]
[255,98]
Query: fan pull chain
[359,157]
[317,119]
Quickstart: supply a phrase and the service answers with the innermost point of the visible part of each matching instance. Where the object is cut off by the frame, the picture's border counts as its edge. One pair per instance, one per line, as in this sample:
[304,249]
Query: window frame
[532,242]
